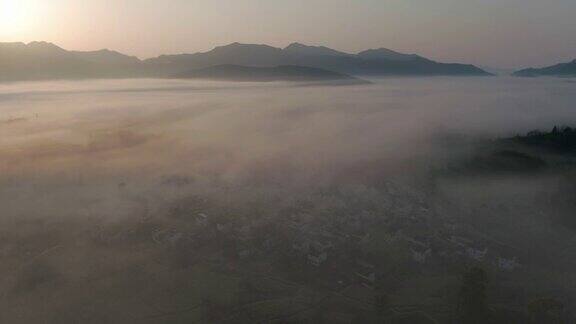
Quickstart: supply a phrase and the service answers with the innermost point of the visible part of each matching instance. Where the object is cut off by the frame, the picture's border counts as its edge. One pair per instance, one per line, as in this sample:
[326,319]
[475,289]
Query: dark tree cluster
[561,139]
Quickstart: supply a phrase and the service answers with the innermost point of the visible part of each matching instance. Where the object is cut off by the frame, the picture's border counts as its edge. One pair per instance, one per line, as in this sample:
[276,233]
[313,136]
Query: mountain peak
[244,49]
[237,45]
[106,56]
[295,44]
[44,45]
[560,69]
[386,54]
[301,49]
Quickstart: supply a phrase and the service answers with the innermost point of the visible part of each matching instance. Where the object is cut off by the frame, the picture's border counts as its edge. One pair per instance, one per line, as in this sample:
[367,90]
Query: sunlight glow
[16,16]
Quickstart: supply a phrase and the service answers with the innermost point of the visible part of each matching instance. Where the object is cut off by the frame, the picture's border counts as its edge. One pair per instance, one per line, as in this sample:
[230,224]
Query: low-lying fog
[137,130]
[120,151]
[63,142]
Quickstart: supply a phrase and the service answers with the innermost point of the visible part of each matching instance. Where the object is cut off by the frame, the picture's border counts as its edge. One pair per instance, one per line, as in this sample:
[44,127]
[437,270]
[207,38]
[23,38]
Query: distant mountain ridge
[106,56]
[378,62]
[42,61]
[387,54]
[562,69]
[301,49]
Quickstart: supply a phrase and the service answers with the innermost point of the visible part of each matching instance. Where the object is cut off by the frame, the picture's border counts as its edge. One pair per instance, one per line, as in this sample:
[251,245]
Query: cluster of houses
[426,242]
[339,242]
[486,252]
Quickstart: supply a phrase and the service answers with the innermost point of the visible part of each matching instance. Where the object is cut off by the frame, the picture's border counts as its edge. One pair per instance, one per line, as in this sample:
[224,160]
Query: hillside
[378,62]
[44,61]
[562,69]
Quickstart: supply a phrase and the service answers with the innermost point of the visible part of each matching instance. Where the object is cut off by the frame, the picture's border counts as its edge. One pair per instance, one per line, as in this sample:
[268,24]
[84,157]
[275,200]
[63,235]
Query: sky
[494,33]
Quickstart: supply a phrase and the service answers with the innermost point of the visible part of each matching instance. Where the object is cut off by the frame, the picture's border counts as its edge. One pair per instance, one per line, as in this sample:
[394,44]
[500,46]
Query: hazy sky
[504,33]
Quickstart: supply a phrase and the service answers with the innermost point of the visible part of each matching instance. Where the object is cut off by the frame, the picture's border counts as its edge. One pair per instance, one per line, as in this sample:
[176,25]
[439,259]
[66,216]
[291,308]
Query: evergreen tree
[472,304]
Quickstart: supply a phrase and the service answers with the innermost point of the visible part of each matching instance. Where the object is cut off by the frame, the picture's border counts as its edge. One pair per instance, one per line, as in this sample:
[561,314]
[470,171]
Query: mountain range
[562,69]
[375,62]
[42,60]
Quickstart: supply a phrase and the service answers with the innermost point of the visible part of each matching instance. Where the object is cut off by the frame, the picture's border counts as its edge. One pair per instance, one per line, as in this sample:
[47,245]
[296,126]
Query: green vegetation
[559,139]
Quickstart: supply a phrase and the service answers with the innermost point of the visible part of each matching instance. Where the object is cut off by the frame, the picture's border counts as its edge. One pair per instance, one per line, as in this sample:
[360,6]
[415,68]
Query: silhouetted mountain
[38,60]
[41,60]
[106,56]
[267,74]
[562,69]
[305,50]
[378,62]
[235,54]
[386,54]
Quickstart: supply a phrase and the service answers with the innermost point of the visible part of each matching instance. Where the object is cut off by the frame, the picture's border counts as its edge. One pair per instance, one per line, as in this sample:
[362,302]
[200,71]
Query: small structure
[202,220]
[507,264]
[323,245]
[476,253]
[221,227]
[366,272]
[420,254]
[317,257]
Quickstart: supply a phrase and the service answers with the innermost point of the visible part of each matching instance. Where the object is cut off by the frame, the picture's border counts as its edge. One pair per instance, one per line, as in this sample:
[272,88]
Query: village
[371,247]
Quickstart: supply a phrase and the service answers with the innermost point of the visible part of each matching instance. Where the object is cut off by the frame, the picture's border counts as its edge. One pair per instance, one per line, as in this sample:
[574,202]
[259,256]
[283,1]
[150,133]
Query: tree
[472,301]
[546,311]
[381,304]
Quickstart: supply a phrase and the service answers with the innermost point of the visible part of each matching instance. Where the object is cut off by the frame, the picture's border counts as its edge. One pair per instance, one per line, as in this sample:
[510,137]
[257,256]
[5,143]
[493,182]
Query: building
[476,253]
[317,257]
[420,254]
[507,264]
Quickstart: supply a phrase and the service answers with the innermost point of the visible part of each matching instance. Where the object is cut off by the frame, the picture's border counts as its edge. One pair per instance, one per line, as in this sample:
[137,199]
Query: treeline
[560,138]
[473,305]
